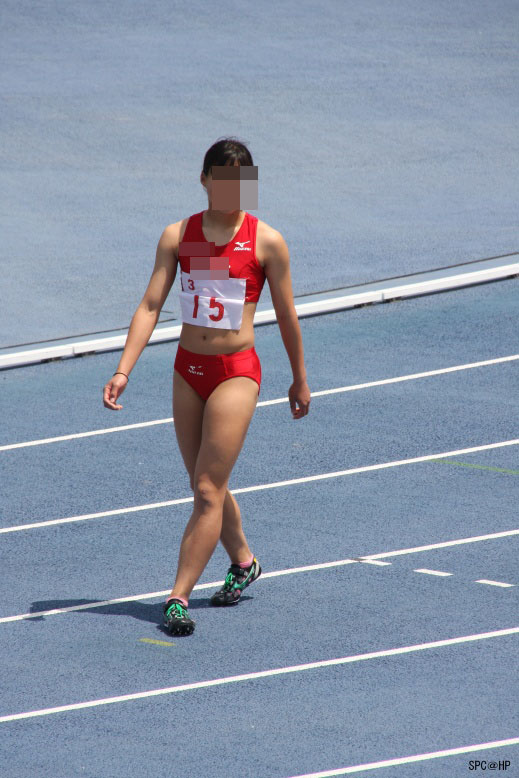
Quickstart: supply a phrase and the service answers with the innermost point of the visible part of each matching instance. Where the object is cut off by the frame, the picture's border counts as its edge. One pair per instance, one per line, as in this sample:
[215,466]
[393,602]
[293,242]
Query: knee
[207,492]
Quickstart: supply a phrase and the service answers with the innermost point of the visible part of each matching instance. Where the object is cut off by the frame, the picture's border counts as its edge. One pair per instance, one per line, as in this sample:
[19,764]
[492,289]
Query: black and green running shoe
[176,618]
[236,581]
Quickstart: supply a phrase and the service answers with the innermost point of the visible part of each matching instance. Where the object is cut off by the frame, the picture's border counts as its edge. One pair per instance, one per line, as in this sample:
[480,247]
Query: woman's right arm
[147,314]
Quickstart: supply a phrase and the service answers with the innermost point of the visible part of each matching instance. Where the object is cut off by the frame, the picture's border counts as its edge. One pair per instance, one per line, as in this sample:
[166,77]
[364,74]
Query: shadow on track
[150,612]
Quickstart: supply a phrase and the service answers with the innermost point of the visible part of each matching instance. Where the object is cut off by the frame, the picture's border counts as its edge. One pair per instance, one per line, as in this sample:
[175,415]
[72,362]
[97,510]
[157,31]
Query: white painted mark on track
[430,572]
[374,562]
[493,583]
[260,487]
[513,741]
[263,403]
[263,674]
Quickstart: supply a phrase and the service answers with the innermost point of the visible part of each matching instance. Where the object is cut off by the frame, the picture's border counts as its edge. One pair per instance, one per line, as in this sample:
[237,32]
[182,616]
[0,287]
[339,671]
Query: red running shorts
[204,372]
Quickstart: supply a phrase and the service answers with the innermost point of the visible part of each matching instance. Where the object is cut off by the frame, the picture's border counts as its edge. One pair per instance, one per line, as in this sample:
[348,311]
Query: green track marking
[156,642]
[478,467]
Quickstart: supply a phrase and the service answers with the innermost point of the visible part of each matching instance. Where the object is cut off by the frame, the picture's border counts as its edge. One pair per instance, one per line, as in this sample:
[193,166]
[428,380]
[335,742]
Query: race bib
[212,302]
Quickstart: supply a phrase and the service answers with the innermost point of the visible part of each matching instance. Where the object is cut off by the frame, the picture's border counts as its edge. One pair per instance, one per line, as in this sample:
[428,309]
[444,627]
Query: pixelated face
[232,187]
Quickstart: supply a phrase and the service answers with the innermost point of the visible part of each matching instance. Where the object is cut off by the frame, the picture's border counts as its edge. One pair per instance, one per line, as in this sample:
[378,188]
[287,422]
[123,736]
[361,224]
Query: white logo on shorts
[192,369]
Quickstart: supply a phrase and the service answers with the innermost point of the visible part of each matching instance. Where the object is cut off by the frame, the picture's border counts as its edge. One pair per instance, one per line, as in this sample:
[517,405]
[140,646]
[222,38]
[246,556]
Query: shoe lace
[176,611]
[229,581]
[232,577]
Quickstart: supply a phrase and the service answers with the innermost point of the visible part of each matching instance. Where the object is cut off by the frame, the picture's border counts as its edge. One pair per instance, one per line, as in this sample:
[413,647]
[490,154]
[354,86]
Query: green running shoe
[236,581]
[176,618]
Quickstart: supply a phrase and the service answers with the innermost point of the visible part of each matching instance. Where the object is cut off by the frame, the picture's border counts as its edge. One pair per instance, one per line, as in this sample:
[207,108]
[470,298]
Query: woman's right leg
[227,415]
[188,412]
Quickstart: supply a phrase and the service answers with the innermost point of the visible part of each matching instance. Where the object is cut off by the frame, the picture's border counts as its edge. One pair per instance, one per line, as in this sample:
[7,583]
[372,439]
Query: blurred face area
[232,187]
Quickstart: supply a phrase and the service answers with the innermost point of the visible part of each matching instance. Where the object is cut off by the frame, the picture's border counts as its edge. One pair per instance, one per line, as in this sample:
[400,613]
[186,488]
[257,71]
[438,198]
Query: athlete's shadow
[143,611]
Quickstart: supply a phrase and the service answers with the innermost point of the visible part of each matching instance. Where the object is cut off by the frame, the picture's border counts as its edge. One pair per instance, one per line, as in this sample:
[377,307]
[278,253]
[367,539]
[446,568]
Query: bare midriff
[210,340]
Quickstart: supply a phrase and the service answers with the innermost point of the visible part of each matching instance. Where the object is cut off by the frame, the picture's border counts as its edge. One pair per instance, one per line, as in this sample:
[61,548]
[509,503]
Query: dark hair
[227,150]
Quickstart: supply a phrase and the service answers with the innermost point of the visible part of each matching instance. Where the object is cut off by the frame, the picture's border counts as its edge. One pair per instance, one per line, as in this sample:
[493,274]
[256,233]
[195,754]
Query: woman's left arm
[277,271]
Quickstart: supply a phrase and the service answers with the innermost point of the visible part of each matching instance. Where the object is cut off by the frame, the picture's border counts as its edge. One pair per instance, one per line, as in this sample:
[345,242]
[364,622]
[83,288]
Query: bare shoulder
[268,234]
[173,234]
[271,244]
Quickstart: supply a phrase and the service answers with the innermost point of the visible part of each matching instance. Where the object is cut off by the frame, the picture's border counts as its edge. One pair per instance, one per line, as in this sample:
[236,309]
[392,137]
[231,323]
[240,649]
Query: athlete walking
[224,254]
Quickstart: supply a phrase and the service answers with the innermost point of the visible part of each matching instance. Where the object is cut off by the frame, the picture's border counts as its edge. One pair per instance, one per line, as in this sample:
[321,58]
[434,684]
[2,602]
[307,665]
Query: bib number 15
[212,304]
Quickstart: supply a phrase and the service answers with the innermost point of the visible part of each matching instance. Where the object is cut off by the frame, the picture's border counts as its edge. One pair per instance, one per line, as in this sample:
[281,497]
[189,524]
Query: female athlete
[224,254]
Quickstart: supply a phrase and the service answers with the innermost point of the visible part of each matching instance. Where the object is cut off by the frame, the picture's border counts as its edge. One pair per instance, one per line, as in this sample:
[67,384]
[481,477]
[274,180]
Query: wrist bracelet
[124,374]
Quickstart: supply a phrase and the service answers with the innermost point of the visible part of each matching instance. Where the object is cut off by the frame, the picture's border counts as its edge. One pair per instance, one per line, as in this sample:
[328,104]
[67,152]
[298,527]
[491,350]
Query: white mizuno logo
[193,369]
[241,245]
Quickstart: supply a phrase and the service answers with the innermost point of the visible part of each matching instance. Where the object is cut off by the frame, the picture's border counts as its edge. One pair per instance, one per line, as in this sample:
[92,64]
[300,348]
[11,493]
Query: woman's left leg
[227,415]
[232,536]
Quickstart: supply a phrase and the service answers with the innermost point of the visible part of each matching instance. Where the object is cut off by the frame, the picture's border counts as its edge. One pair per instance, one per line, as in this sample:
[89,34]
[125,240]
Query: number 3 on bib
[213,304]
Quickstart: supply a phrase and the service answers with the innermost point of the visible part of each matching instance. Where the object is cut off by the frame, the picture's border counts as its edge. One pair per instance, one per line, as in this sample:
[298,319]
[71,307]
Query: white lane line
[445,544]
[513,741]
[73,436]
[306,568]
[98,604]
[102,514]
[263,674]
[271,574]
[493,583]
[272,485]
[431,572]
[352,388]
[152,595]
